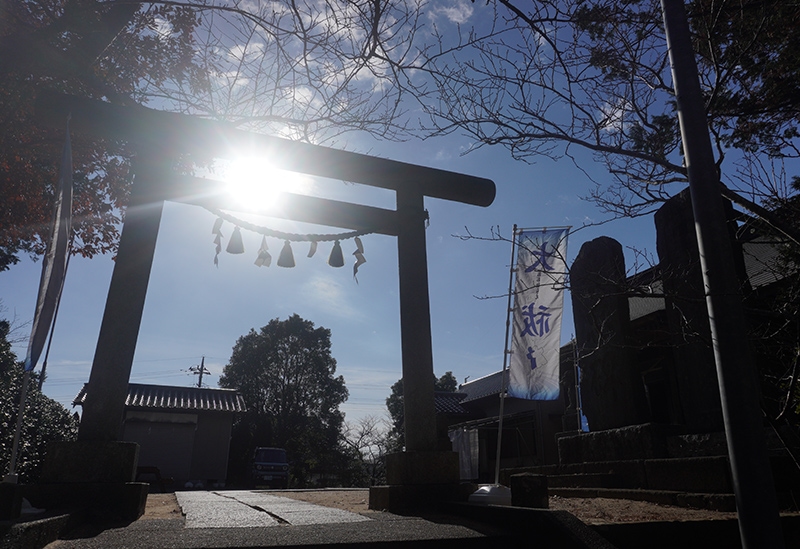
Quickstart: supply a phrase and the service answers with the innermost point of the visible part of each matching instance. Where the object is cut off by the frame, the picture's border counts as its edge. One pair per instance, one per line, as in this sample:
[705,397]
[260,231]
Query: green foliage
[286,374]
[447,383]
[754,47]
[87,48]
[44,421]
[394,403]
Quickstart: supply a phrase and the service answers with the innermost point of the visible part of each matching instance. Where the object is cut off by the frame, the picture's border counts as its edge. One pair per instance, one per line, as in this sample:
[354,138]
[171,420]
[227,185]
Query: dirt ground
[589,510]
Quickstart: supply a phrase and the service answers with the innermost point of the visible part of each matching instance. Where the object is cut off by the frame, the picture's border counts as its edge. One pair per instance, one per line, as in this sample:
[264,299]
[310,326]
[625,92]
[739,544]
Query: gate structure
[158,138]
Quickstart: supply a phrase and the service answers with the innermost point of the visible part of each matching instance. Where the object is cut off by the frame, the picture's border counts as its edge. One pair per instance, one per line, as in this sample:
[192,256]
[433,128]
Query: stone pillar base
[105,501]
[10,501]
[90,461]
[417,481]
[529,490]
[97,477]
[422,468]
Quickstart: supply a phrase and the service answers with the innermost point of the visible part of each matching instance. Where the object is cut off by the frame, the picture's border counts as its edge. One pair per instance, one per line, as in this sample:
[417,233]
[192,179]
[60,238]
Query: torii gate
[158,136]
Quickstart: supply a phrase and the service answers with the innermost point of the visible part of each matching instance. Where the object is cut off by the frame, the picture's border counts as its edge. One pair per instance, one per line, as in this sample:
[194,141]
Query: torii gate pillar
[415,324]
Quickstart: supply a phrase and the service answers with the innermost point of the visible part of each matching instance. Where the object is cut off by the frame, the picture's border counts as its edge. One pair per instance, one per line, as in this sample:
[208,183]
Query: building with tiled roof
[183,432]
[529,427]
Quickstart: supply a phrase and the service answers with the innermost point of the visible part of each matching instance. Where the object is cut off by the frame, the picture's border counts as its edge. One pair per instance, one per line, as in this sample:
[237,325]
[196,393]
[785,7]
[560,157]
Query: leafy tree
[305,70]
[286,374]
[394,403]
[88,48]
[44,421]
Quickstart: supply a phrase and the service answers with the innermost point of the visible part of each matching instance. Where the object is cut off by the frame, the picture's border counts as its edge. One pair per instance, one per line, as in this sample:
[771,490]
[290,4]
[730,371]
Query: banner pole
[506,351]
[11,477]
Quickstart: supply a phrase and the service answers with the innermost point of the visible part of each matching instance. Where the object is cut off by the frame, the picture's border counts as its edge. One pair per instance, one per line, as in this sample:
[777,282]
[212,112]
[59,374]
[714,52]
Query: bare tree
[552,77]
[368,440]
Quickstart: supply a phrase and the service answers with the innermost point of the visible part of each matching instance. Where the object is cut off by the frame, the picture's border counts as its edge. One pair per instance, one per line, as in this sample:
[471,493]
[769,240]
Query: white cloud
[329,295]
[163,28]
[247,52]
[457,13]
[442,155]
[613,116]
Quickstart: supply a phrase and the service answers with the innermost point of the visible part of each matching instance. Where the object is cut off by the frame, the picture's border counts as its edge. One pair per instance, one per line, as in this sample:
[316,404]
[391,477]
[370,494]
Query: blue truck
[270,468]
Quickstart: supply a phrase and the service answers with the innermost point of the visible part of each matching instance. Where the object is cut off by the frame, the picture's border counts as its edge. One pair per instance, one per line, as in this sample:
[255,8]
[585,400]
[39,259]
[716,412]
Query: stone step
[584,480]
[688,534]
[694,500]
[709,474]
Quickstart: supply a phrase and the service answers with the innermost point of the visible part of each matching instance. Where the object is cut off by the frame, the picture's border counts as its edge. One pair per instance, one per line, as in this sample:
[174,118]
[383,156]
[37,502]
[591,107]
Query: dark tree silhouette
[44,421]
[287,376]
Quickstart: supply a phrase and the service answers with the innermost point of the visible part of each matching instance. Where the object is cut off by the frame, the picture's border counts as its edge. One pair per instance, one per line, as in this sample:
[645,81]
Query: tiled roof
[641,304]
[648,293]
[164,397]
[762,257]
[481,387]
[449,403]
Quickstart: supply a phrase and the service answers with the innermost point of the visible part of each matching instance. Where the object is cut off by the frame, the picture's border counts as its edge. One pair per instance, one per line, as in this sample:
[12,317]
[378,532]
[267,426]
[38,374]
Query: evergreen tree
[394,403]
[44,420]
[286,374]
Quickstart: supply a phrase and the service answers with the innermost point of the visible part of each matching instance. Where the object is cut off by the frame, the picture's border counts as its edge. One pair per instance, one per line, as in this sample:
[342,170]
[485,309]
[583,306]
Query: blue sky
[195,309]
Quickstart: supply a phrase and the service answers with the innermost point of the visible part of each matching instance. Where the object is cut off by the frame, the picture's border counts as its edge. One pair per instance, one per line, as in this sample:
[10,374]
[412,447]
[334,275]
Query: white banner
[538,305]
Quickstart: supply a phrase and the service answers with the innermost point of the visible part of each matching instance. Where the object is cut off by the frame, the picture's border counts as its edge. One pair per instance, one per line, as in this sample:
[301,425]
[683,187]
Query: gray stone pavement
[245,519]
[248,509]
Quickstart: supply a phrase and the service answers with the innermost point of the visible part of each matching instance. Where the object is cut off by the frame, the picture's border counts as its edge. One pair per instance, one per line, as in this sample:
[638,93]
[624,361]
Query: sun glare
[257,183]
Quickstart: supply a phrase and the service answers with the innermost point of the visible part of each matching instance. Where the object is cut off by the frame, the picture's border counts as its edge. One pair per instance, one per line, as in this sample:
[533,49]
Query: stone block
[646,441]
[413,468]
[702,474]
[411,499]
[107,501]
[696,445]
[90,462]
[10,501]
[529,490]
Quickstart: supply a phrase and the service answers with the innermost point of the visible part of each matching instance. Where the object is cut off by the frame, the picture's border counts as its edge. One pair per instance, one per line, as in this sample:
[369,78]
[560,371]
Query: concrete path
[249,509]
[250,520]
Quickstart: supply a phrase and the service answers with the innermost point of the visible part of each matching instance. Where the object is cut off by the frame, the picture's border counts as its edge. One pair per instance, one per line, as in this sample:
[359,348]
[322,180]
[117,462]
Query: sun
[256,183]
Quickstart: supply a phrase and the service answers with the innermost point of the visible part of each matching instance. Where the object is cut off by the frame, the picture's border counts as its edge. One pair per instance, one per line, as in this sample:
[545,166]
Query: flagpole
[506,352]
[577,374]
[11,477]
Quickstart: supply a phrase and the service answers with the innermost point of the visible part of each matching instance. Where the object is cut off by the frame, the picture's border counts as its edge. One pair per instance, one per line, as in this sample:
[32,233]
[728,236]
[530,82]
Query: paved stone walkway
[251,509]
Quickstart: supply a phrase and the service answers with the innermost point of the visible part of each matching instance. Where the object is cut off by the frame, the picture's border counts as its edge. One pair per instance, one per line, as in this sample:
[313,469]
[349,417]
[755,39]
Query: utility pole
[199,371]
[754,487]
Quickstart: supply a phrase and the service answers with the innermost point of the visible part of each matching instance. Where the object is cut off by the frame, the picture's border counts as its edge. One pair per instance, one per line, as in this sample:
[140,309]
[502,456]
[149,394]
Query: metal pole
[577,375]
[759,520]
[11,477]
[506,352]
